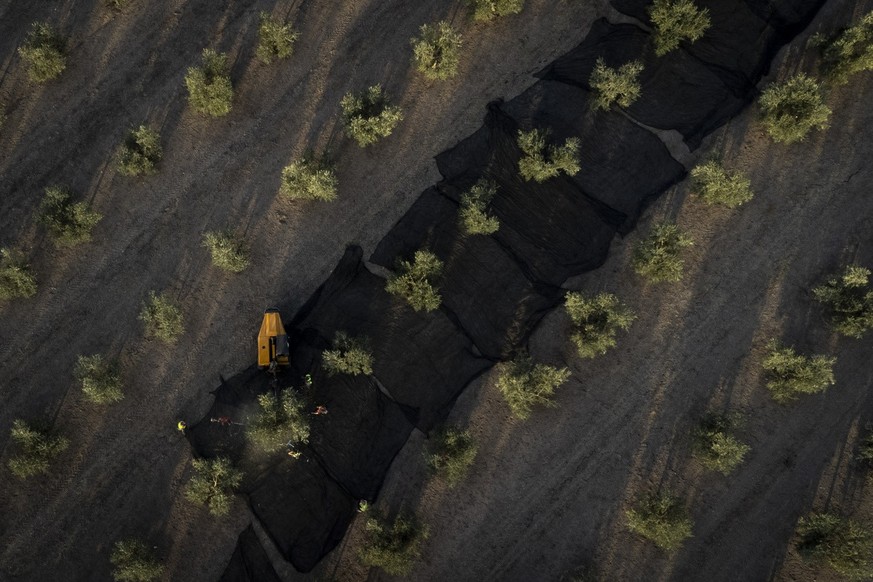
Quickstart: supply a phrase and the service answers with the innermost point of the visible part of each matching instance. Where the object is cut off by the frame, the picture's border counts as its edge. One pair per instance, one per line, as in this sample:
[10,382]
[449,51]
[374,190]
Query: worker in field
[182,426]
[319,410]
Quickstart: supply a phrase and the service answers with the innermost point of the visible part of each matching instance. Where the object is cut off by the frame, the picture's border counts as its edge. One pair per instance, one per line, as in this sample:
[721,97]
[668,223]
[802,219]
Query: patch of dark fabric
[249,562]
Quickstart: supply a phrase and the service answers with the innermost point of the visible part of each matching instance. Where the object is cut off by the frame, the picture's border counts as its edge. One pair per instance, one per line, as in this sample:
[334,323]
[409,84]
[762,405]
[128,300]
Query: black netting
[249,562]
[787,16]
[422,359]
[678,91]
[481,285]
[305,512]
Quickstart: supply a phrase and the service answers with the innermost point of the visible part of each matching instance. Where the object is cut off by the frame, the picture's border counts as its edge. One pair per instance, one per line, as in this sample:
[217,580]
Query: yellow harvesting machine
[273,347]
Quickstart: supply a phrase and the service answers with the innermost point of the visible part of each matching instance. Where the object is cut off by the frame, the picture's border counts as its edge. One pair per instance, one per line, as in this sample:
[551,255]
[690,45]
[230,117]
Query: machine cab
[272,340]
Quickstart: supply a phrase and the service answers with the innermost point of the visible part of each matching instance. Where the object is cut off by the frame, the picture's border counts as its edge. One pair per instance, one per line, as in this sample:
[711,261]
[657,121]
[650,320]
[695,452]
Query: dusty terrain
[545,496]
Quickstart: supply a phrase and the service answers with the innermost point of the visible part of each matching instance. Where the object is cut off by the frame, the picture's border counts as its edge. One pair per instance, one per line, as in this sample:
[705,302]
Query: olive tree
[676,21]
[280,421]
[450,452]
[69,223]
[790,374]
[44,51]
[275,39]
[162,318]
[309,178]
[848,52]
[395,545]
[714,445]
[100,379]
[849,298]
[473,215]
[368,116]
[716,185]
[661,518]
[140,152]
[413,281]
[134,561]
[437,51]
[37,446]
[349,355]
[596,321]
[540,161]
[16,280]
[228,250]
[213,484]
[611,85]
[525,384]
[793,108]
[484,10]
[843,544]
[210,90]
[657,256]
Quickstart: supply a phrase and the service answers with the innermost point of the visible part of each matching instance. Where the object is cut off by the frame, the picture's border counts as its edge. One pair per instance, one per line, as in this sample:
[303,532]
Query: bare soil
[545,497]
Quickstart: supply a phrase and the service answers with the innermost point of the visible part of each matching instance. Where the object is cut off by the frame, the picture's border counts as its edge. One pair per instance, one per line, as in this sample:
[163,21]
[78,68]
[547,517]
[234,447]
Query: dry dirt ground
[545,496]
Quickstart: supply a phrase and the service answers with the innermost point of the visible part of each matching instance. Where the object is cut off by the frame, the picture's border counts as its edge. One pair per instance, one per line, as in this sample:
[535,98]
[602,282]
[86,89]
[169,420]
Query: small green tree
[437,51]
[539,163]
[209,88]
[491,9]
[715,185]
[100,379]
[275,39]
[213,484]
[791,109]
[450,453]
[16,280]
[850,300]
[281,420]
[656,257]
[413,281]
[309,178]
[134,561]
[661,518]
[368,117]
[790,374]
[350,355]
[162,318]
[38,445]
[140,152]
[394,547]
[675,21]
[68,222]
[848,52]
[44,51]
[228,251]
[621,85]
[596,320]
[473,215]
[525,384]
[843,544]
[714,445]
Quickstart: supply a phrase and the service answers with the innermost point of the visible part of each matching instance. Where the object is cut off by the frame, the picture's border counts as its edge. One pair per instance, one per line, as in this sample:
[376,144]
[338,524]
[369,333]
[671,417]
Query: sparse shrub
[281,420]
[848,52]
[437,51]
[413,281]
[621,85]
[69,222]
[843,544]
[450,454]
[715,185]
[791,374]
[349,355]
[213,484]
[100,379]
[162,318]
[539,163]
[596,320]
[473,215]
[656,257]
[134,562]
[661,518]
[675,21]
[791,109]
[525,384]
[309,178]
[16,280]
[394,547]
[38,445]
[140,152]
[368,117]
[228,251]
[209,88]
[491,9]
[44,51]
[275,39]
[850,300]
[714,445]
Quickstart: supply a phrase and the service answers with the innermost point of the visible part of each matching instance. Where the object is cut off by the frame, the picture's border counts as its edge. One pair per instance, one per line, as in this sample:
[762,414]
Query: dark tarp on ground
[422,359]
[249,562]
[488,292]
[678,91]
[305,512]
[363,431]
[554,228]
[621,164]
